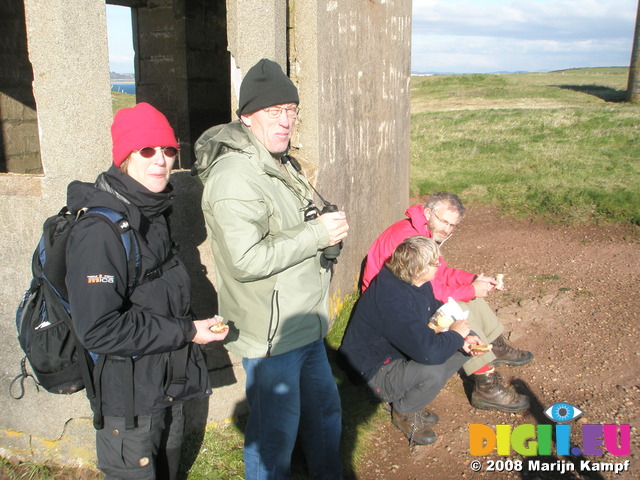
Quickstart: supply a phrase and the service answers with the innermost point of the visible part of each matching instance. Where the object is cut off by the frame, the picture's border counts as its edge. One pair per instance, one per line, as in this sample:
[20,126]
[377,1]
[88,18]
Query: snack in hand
[481,348]
[219,328]
[446,315]
[500,280]
[440,322]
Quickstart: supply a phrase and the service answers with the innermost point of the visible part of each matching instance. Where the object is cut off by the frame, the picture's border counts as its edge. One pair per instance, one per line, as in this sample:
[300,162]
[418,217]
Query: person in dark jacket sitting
[146,341]
[389,343]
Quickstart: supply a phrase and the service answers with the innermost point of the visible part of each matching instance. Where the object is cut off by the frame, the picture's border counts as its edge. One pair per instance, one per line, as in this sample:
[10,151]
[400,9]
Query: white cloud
[477,36]
[508,35]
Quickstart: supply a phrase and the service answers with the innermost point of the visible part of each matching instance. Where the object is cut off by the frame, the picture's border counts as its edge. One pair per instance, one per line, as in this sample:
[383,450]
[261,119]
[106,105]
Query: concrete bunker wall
[350,61]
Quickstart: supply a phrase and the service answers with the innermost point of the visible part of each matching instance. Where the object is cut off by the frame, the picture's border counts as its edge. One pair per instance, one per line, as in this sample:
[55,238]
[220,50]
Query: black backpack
[43,318]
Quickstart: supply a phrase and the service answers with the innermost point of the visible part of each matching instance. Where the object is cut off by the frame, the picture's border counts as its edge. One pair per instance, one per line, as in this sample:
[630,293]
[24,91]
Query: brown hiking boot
[508,355]
[413,427]
[490,394]
[428,417]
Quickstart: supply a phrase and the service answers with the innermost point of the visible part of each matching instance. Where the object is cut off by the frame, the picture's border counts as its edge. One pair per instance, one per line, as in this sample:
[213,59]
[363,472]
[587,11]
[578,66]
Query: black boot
[508,355]
[490,394]
[413,427]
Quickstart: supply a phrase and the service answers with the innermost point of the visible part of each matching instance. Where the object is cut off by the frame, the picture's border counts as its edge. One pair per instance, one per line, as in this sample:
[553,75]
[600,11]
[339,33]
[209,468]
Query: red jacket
[448,282]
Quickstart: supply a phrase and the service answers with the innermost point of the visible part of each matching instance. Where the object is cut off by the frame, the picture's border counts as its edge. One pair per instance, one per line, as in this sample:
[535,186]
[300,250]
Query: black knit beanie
[265,85]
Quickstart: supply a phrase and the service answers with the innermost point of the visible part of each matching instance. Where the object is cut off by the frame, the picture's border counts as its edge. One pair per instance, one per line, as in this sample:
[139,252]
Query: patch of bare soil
[465,103]
[572,300]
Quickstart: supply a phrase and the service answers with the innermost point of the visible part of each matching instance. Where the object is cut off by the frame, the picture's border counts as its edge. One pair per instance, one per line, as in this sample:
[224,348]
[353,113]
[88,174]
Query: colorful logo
[100,278]
[538,440]
[563,412]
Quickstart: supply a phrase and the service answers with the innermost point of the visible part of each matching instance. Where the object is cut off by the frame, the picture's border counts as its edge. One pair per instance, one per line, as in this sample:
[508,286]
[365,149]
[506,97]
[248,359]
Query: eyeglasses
[148,152]
[446,224]
[275,112]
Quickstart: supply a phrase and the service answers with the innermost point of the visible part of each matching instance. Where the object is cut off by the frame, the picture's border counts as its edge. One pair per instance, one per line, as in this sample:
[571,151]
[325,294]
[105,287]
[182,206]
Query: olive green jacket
[272,289]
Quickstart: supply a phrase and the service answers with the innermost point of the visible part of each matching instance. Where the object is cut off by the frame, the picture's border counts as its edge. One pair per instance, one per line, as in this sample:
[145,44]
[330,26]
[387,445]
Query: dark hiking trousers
[151,451]
[410,385]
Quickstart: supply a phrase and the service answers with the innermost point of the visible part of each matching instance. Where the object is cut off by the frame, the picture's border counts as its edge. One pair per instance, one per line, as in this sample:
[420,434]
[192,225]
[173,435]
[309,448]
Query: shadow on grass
[607,94]
[360,414]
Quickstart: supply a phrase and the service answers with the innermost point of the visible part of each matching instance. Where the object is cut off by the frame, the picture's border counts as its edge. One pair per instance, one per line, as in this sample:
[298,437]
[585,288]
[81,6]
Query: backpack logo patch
[100,278]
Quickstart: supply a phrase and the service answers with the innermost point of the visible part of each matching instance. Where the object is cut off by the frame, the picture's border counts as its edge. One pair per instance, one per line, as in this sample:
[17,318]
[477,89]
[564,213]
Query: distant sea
[129,88]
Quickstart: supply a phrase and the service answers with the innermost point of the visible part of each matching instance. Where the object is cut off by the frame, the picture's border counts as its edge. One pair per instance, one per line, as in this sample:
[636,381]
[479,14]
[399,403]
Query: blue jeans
[290,394]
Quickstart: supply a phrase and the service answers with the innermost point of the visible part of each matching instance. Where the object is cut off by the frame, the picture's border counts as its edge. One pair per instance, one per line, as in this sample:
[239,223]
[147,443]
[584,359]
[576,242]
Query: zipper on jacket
[275,307]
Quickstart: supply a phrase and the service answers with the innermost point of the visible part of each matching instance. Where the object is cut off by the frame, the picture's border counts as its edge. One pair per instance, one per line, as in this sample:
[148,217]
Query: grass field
[122,100]
[560,145]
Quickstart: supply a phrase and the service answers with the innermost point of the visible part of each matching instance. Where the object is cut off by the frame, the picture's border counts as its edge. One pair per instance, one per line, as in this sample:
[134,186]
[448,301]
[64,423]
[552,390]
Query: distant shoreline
[123,80]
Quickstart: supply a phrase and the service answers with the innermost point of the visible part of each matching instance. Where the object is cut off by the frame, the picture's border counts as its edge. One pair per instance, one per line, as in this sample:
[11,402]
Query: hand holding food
[473,345]
[482,285]
[481,348]
[210,330]
[440,322]
[219,327]
[446,315]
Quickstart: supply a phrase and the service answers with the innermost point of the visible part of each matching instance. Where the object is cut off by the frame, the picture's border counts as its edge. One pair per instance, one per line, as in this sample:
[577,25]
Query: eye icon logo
[563,412]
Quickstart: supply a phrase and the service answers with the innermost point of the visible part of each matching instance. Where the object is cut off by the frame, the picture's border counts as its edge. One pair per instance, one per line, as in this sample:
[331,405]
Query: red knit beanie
[138,127]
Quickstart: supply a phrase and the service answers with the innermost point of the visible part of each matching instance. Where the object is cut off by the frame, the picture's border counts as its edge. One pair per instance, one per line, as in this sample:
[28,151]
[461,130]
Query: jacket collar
[417,219]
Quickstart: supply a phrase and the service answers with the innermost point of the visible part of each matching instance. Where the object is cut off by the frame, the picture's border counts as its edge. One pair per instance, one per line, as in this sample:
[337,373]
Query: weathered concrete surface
[72,93]
[255,30]
[350,60]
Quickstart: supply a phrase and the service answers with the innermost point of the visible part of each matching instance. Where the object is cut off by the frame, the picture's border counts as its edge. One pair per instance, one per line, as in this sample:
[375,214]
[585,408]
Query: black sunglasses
[148,152]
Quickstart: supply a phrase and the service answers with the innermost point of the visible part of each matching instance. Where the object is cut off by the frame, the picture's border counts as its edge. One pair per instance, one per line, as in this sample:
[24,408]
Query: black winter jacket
[391,322]
[155,320]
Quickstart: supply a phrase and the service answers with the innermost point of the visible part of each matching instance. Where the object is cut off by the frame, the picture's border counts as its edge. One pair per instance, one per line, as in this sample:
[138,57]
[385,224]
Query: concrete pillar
[351,62]
[71,89]
[208,65]
[67,48]
[256,29]
[633,86]
[160,63]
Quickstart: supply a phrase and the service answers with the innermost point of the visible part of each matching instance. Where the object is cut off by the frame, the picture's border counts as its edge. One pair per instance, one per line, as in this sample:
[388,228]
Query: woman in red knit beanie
[145,132]
[142,335]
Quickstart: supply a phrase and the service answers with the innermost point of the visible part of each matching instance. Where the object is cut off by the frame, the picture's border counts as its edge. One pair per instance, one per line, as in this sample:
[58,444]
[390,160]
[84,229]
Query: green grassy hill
[122,100]
[563,145]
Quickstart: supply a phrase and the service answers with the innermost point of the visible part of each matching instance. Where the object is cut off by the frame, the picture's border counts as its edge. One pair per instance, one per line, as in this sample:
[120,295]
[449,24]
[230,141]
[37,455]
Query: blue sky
[120,42]
[484,36]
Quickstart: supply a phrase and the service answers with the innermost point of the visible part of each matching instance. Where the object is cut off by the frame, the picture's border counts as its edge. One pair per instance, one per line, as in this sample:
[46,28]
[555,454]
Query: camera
[332,252]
